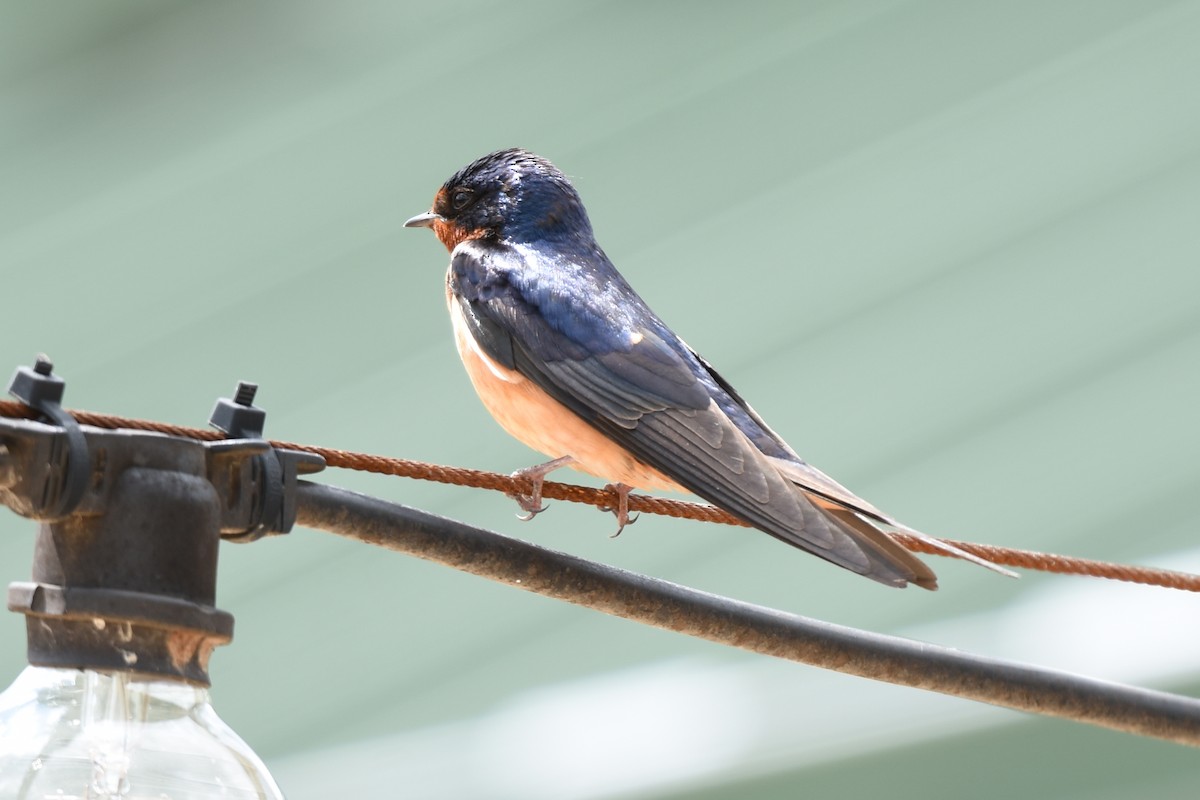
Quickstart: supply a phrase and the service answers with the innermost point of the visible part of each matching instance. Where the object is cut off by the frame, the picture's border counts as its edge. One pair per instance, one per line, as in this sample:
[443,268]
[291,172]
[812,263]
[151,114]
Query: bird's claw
[531,503]
[621,524]
[621,512]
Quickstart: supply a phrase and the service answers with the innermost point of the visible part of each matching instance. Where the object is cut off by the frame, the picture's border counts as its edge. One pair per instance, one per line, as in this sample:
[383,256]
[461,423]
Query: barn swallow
[572,362]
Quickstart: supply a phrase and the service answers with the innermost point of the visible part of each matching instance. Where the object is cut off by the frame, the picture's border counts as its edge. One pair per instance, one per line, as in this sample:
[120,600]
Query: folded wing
[641,387]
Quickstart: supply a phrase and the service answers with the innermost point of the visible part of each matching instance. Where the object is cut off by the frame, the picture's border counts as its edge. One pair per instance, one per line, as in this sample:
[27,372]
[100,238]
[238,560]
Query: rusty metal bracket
[125,561]
[264,488]
[67,457]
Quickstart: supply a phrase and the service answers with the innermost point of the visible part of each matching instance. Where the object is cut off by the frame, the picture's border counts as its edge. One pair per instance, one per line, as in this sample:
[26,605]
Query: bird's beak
[425,220]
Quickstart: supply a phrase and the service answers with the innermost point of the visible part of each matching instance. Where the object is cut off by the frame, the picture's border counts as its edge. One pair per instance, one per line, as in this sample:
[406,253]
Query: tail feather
[864,520]
[950,549]
[884,553]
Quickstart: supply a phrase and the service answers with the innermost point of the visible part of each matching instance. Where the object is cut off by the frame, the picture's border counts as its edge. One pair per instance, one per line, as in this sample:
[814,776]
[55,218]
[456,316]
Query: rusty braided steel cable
[603,498]
[718,619]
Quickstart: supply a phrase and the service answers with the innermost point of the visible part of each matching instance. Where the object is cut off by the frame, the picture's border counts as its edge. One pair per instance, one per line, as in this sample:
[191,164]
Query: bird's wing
[797,470]
[633,386]
[828,494]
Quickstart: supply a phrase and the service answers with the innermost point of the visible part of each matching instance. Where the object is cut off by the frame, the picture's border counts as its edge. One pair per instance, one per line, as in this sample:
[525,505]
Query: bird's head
[510,194]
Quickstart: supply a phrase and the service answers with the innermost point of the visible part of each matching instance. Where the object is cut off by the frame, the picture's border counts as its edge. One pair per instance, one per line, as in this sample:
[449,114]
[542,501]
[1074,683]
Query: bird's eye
[460,199]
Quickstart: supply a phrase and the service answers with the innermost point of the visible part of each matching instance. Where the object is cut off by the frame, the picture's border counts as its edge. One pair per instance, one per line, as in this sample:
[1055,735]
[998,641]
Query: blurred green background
[950,250]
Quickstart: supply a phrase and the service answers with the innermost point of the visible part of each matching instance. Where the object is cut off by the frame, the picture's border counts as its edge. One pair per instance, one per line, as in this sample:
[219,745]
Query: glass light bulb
[72,734]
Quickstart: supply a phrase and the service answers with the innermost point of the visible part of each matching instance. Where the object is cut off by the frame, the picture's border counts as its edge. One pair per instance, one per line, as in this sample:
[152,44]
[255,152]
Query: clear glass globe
[71,734]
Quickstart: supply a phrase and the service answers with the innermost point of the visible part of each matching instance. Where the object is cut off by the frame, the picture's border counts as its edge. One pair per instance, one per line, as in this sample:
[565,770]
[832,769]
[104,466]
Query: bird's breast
[532,416]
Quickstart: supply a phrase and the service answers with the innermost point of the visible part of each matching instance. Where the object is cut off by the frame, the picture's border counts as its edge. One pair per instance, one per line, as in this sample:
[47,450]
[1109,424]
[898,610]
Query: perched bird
[571,361]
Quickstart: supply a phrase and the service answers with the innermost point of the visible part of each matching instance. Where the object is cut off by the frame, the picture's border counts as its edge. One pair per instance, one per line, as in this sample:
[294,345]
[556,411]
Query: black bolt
[245,393]
[43,366]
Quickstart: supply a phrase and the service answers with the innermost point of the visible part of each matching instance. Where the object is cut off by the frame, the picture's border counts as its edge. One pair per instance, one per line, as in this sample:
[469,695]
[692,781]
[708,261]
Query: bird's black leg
[532,503]
[621,512]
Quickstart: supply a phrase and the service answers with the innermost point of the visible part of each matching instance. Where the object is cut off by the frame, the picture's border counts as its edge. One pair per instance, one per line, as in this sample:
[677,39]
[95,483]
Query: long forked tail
[884,553]
[866,526]
[861,519]
[951,550]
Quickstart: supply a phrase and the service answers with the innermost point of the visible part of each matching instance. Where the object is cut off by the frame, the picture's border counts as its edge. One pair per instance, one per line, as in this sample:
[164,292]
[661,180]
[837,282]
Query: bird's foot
[531,503]
[621,512]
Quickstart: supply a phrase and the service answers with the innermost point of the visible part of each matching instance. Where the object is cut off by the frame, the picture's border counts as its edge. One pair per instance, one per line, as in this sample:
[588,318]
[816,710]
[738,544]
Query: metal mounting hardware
[42,391]
[124,573]
[272,471]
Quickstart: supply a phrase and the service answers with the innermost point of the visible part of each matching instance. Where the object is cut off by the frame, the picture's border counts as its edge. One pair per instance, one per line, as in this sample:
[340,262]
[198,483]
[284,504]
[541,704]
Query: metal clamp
[272,509]
[42,391]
